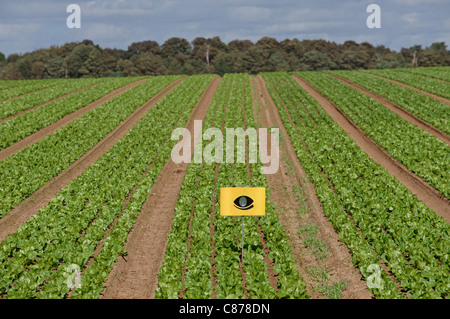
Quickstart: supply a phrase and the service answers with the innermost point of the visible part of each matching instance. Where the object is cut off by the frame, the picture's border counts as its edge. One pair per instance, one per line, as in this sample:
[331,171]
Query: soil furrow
[424,192]
[43,195]
[272,275]
[146,243]
[39,135]
[282,192]
[399,111]
[124,205]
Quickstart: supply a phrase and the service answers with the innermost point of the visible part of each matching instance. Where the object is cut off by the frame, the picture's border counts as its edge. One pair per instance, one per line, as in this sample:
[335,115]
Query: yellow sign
[242,201]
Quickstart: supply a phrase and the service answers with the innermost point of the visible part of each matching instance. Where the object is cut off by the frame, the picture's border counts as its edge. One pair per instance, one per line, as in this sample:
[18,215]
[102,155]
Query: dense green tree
[279,62]
[74,62]
[268,46]
[12,58]
[174,46]
[252,61]
[144,47]
[24,67]
[292,47]
[94,63]
[54,67]
[212,55]
[240,45]
[222,66]
[150,64]
[316,61]
[354,59]
[37,70]
[127,68]
[11,72]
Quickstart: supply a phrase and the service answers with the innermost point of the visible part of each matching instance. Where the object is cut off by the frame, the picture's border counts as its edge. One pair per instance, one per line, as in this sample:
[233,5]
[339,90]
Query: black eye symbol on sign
[243,203]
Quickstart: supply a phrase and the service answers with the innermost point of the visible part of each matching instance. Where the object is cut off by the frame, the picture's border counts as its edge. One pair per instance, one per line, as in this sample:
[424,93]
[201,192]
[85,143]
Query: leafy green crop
[418,81]
[68,230]
[26,171]
[17,88]
[199,192]
[422,153]
[374,214]
[28,101]
[26,124]
[424,107]
[440,72]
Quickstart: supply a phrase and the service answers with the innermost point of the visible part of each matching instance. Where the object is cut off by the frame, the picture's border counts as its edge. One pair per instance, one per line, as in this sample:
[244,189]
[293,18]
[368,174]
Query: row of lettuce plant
[174,110]
[12,89]
[424,107]
[28,101]
[21,126]
[228,230]
[34,260]
[373,213]
[28,170]
[289,284]
[193,249]
[418,81]
[196,191]
[440,72]
[422,153]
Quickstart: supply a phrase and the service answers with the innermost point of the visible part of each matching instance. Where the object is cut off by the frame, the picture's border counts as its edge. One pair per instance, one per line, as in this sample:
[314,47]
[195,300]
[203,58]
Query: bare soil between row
[136,277]
[290,178]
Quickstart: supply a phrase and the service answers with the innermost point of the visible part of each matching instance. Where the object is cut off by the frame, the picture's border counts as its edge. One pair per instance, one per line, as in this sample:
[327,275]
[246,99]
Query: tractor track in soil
[282,184]
[137,276]
[424,192]
[39,135]
[41,197]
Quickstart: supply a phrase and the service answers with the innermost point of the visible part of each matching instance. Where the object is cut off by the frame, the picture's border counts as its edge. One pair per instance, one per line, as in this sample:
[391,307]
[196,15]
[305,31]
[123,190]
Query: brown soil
[42,104]
[137,277]
[434,96]
[282,184]
[42,196]
[399,111]
[424,192]
[39,135]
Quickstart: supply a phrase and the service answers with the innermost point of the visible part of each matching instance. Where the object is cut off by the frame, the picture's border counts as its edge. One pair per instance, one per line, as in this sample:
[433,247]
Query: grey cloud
[26,25]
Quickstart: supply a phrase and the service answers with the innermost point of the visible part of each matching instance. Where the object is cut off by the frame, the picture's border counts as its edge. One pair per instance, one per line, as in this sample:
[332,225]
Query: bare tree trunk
[414,59]
[207,54]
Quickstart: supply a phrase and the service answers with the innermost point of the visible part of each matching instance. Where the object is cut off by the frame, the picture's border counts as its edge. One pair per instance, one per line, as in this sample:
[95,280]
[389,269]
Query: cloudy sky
[27,25]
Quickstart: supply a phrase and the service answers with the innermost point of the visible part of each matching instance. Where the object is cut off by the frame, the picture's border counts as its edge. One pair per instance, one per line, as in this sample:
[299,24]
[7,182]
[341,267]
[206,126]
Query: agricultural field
[94,206]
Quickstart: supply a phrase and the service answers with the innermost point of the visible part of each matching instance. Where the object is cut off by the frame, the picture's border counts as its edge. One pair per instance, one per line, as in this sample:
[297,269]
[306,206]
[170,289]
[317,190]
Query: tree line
[212,55]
